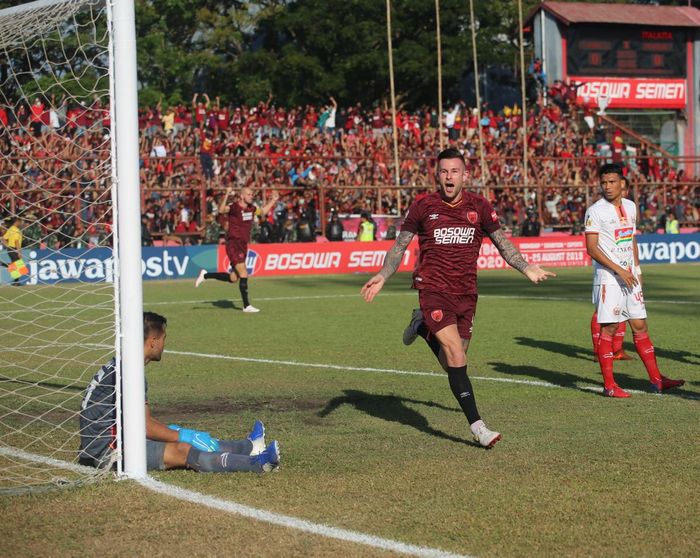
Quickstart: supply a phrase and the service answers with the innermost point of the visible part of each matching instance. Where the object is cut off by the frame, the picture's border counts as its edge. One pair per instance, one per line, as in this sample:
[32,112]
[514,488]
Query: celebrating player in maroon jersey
[241,215]
[450,225]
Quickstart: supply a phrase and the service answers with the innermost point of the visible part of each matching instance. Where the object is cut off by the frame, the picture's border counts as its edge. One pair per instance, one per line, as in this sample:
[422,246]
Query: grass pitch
[373,441]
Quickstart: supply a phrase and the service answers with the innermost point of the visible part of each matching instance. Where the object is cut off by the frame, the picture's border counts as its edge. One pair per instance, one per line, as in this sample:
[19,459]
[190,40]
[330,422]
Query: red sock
[619,337]
[605,359]
[595,332]
[645,350]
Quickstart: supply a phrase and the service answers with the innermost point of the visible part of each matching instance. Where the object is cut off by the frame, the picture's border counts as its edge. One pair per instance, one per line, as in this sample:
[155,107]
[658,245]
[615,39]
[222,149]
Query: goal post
[69,180]
[129,227]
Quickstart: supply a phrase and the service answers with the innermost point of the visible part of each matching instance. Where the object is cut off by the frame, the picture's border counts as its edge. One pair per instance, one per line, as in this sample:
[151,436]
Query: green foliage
[304,50]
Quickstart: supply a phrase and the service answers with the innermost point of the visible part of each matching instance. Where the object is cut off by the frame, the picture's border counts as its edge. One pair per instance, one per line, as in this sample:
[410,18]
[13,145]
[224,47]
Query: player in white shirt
[617,287]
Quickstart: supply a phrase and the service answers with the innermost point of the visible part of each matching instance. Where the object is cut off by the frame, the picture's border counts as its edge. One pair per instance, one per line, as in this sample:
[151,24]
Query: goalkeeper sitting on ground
[167,447]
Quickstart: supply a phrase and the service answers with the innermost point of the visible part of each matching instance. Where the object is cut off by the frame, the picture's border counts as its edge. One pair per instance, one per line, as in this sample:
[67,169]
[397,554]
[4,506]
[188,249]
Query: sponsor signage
[631,92]
[318,258]
[548,251]
[97,265]
[368,257]
[669,248]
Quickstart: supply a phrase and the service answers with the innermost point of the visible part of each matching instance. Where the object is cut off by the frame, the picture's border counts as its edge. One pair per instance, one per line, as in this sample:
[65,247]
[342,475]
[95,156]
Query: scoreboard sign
[626,51]
[631,93]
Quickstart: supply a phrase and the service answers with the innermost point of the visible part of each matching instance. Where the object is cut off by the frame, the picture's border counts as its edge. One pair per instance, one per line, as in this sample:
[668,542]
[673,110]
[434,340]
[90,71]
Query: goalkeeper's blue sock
[221,462]
[241,447]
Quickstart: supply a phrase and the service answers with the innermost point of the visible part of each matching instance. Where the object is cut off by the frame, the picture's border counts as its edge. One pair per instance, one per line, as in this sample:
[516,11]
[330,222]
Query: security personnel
[672,226]
[365,232]
[12,239]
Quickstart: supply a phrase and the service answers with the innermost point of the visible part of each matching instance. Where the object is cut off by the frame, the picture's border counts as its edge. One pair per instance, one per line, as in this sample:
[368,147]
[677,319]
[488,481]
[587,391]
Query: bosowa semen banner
[368,257]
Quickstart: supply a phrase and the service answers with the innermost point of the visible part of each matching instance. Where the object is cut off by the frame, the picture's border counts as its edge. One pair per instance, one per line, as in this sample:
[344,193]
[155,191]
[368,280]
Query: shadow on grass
[570,381]
[68,387]
[576,351]
[566,349]
[392,408]
[225,304]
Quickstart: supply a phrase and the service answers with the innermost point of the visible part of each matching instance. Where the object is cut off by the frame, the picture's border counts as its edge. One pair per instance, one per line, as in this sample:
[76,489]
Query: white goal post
[70,297]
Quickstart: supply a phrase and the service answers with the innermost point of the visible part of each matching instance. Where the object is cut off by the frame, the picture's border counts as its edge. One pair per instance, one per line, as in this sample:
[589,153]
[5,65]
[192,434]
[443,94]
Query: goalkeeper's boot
[622,355]
[666,383]
[269,459]
[486,438]
[411,331]
[200,278]
[615,391]
[257,438]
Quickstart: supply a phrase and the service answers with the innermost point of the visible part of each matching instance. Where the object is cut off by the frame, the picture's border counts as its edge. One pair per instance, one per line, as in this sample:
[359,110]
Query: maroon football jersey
[240,221]
[449,238]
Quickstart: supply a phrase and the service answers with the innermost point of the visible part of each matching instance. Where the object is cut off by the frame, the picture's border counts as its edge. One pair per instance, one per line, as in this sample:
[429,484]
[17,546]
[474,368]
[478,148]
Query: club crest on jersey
[624,235]
[494,217]
[436,315]
[473,217]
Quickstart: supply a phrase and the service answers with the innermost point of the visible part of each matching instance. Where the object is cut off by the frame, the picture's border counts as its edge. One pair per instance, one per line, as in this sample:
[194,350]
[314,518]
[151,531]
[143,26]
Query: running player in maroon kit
[450,225]
[241,216]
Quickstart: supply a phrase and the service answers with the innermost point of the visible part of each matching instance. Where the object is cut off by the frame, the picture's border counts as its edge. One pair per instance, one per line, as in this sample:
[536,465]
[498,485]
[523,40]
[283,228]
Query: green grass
[389,454]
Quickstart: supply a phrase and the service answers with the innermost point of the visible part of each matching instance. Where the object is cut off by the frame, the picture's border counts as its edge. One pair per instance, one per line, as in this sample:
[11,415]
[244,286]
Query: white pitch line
[296,523]
[413,293]
[538,383]
[9,313]
[227,506]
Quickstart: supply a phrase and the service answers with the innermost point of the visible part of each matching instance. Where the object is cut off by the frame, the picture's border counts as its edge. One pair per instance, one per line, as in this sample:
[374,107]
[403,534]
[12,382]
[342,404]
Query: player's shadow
[225,304]
[573,351]
[684,357]
[570,381]
[391,408]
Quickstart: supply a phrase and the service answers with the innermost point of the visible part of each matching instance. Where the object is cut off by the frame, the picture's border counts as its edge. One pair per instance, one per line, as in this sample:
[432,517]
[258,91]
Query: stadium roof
[621,14]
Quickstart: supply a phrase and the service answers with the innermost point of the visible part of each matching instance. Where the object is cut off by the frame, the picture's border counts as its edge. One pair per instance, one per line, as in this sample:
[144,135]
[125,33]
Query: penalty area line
[295,522]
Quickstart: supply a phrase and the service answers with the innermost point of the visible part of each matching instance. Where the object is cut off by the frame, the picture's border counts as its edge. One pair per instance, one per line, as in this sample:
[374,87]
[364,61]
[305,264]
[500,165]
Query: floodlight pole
[130,296]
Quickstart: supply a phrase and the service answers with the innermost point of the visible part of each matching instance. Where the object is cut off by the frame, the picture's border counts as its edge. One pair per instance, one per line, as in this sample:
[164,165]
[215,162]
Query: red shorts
[441,310]
[236,251]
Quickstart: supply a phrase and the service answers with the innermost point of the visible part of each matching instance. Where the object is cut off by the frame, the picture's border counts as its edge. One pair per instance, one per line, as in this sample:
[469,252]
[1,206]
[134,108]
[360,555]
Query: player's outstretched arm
[392,261]
[515,259]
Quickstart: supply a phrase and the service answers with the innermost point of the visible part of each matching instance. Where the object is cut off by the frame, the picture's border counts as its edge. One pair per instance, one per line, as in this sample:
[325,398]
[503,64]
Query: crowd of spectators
[324,159]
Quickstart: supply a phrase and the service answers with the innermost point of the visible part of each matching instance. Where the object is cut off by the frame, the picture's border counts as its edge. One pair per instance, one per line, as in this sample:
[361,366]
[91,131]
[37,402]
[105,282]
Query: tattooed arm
[392,261]
[515,259]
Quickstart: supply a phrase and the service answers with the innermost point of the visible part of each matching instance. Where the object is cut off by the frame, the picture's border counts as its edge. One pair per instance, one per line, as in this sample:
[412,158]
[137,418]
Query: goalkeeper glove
[200,440]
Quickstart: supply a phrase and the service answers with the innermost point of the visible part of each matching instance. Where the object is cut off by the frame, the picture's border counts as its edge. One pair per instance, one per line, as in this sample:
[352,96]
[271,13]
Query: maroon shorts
[236,250]
[441,310]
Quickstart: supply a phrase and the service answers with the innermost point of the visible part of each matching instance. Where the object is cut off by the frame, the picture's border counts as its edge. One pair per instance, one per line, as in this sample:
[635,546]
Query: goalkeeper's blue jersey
[98,417]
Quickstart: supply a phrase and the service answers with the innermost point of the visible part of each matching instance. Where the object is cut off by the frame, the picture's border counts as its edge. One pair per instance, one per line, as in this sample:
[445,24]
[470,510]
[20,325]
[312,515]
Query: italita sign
[614,93]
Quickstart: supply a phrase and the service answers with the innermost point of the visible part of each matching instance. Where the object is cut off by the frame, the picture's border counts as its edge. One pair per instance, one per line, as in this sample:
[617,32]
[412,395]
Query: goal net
[58,293]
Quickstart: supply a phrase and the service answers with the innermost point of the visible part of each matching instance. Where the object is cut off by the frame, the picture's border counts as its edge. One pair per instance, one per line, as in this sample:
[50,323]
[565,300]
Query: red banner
[631,93]
[368,257]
